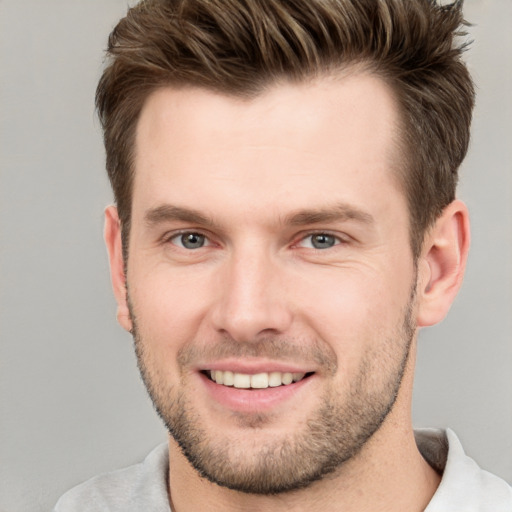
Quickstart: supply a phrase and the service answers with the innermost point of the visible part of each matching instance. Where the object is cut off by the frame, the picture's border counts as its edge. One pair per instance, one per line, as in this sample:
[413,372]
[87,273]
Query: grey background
[71,404]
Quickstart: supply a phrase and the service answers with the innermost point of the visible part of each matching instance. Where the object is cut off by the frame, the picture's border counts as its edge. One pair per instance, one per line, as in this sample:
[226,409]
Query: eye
[190,240]
[319,241]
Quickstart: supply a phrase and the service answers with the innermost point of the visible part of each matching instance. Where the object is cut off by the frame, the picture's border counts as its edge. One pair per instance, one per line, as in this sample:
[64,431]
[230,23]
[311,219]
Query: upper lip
[254,367]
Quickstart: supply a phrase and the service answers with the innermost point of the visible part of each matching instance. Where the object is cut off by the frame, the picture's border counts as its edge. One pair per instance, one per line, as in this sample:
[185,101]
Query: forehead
[303,141]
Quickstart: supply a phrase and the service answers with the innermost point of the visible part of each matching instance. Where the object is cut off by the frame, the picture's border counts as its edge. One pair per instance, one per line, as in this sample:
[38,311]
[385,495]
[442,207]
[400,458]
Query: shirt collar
[464,486]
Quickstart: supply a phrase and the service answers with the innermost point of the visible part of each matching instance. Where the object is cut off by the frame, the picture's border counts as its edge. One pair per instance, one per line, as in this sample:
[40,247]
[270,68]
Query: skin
[255,171]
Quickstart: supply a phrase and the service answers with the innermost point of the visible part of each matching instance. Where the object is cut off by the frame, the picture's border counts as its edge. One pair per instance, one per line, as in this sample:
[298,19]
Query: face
[270,277]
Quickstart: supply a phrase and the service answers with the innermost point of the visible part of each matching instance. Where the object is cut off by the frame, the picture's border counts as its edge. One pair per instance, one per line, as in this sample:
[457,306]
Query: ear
[114,244]
[442,263]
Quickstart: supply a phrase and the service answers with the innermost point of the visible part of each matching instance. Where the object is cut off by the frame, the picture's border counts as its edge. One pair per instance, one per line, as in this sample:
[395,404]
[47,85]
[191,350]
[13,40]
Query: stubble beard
[334,434]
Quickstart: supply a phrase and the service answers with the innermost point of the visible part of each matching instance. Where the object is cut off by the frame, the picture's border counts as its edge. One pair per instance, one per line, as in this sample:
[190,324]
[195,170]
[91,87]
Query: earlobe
[114,245]
[442,263]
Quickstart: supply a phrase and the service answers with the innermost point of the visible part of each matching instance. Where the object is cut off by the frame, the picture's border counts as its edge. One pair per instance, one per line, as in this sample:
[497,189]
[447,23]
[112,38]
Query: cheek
[352,310]
[168,307]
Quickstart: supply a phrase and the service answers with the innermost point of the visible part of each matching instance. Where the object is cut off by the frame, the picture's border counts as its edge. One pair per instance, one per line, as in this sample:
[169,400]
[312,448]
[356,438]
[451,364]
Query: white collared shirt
[464,486]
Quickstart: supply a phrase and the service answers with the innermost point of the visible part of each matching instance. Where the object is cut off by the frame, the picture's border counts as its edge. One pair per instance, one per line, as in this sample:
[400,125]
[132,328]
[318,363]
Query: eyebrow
[169,213]
[336,213]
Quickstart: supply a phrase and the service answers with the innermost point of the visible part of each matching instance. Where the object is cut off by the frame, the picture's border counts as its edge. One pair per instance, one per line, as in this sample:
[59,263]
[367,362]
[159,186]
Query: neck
[389,474]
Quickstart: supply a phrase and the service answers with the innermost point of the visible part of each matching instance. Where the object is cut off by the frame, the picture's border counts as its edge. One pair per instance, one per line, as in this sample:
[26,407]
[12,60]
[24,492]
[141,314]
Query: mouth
[261,380]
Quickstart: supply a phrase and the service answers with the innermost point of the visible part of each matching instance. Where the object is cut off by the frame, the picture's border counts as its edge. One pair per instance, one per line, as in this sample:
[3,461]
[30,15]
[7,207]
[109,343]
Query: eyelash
[337,239]
[179,234]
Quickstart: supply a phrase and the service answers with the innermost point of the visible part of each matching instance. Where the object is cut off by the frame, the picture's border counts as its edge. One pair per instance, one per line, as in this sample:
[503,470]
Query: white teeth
[275,379]
[229,378]
[259,381]
[256,381]
[242,380]
[287,378]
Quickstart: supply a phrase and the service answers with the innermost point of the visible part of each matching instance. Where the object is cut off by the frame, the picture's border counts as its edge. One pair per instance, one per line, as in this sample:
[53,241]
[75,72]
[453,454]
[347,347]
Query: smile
[255,381]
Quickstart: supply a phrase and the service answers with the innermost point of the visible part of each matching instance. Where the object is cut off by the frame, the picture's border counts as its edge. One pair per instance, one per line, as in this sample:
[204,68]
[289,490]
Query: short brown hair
[239,47]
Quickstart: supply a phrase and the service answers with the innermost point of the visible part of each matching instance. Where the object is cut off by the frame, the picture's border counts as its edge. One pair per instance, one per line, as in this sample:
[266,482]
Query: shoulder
[142,486]
[464,485]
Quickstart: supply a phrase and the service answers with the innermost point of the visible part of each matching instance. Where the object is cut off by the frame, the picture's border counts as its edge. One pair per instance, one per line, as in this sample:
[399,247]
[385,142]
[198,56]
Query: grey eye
[191,240]
[323,241]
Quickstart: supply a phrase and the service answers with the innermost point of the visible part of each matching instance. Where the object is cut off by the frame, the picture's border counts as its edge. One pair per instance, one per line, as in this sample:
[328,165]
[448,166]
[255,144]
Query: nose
[252,300]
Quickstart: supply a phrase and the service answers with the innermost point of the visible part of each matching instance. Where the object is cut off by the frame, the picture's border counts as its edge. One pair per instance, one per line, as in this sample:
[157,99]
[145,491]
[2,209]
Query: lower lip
[253,400]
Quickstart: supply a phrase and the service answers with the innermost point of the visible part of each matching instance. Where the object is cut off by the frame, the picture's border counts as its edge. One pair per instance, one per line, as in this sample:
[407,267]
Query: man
[285,223]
